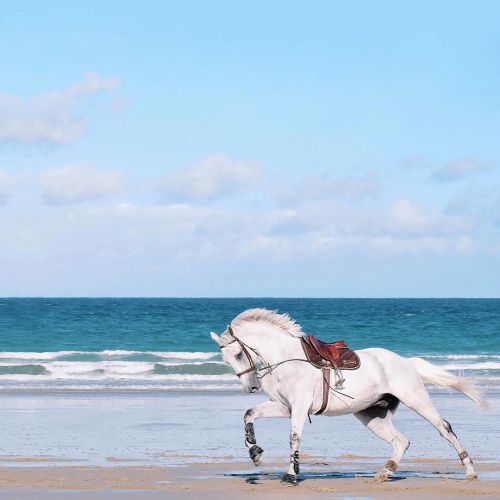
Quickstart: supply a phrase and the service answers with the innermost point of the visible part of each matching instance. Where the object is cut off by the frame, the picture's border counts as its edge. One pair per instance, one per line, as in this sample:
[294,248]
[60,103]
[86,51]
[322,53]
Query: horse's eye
[239,356]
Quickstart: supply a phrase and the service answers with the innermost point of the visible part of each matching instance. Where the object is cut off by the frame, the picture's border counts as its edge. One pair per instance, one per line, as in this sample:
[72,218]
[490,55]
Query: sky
[309,149]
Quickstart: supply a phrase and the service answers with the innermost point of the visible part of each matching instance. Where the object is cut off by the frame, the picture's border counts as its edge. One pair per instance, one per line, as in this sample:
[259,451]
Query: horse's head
[239,357]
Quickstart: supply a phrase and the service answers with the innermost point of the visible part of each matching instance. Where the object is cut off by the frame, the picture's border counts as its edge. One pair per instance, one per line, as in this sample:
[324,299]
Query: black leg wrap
[255,453]
[295,459]
[289,479]
[250,433]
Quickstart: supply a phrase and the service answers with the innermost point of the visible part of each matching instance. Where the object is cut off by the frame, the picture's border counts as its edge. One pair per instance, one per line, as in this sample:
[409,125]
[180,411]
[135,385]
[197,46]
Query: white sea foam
[63,369]
[38,355]
[488,365]
[34,356]
[55,370]
[163,369]
[116,352]
[462,356]
[184,355]
[159,354]
[174,386]
[123,376]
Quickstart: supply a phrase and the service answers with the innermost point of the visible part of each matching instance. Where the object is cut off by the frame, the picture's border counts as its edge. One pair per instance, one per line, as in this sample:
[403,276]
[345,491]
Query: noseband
[252,366]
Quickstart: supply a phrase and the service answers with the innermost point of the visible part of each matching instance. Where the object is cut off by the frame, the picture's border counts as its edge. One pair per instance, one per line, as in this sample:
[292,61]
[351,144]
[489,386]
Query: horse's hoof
[381,476]
[256,454]
[289,480]
[471,477]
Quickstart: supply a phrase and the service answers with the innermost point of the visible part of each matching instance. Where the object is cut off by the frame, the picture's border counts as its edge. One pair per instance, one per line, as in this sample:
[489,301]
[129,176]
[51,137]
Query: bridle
[244,347]
[267,368]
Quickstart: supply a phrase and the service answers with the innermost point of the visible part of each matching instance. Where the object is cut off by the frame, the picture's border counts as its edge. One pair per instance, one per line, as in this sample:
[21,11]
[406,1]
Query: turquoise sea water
[165,343]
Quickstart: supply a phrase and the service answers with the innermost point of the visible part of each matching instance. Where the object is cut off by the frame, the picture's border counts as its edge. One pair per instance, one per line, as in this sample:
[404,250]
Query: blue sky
[230,149]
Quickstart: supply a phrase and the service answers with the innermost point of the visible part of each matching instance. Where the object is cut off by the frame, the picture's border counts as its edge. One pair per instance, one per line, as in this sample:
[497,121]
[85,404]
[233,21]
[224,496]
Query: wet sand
[190,445]
[226,480]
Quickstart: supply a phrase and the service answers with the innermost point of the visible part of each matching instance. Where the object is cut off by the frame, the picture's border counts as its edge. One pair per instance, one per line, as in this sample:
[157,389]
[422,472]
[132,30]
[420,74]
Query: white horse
[264,349]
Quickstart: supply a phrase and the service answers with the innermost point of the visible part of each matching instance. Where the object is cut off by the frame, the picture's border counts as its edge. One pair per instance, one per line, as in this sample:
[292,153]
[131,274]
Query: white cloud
[214,177]
[463,167]
[173,245]
[481,202]
[6,182]
[182,244]
[406,217]
[356,188]
[465,245]
[394,245]
[75,184]
[317,187]
[403,227]
[319,226]
[54,117]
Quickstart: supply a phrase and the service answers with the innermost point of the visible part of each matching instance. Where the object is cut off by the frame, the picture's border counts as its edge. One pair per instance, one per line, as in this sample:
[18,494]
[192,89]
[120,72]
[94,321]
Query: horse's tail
[434,375]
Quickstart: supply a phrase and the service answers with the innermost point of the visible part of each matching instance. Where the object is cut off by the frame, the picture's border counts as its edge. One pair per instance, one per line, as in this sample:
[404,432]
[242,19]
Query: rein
[268,368]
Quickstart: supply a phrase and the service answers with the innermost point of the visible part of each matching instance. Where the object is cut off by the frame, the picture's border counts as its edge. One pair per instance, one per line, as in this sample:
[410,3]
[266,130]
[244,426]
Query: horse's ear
[230,330]
[216,338]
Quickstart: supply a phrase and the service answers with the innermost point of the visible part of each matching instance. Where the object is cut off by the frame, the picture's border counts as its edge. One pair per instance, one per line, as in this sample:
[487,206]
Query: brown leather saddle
[334,355]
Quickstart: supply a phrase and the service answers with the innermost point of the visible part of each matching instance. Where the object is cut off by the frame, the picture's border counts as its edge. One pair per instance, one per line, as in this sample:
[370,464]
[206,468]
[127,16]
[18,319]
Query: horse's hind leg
[378,419]
[420,402]
[266,409]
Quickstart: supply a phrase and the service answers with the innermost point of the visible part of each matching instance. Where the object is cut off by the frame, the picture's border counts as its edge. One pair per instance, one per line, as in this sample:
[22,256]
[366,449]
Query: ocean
[164,344]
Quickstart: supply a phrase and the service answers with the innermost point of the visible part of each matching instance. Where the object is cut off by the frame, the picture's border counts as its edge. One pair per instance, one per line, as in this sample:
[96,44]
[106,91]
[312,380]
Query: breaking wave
[166,370]
[122,369]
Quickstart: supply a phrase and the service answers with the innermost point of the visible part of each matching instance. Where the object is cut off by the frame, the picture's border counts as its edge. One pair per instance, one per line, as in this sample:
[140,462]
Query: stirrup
[339,379]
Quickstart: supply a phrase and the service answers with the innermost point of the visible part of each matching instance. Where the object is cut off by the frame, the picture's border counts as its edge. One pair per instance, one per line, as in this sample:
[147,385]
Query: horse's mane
[282,321]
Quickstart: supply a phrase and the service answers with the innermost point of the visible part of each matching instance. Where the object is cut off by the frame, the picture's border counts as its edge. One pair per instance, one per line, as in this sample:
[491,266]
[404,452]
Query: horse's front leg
[266,409]
[298,419]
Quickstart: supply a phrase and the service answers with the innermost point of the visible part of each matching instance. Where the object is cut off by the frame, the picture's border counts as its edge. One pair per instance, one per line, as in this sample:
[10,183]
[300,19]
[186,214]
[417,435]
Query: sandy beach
[190,444]
[221,481]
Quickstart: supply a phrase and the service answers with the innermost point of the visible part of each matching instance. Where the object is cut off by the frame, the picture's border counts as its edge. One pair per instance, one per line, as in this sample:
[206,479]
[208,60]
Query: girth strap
[326,390]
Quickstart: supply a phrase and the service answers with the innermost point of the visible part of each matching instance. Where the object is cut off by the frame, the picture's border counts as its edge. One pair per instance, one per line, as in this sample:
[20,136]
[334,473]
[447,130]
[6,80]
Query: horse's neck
[272,344]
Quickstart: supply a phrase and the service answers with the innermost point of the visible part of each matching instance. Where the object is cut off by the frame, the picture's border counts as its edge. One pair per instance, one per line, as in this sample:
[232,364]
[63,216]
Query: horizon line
[221,297]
